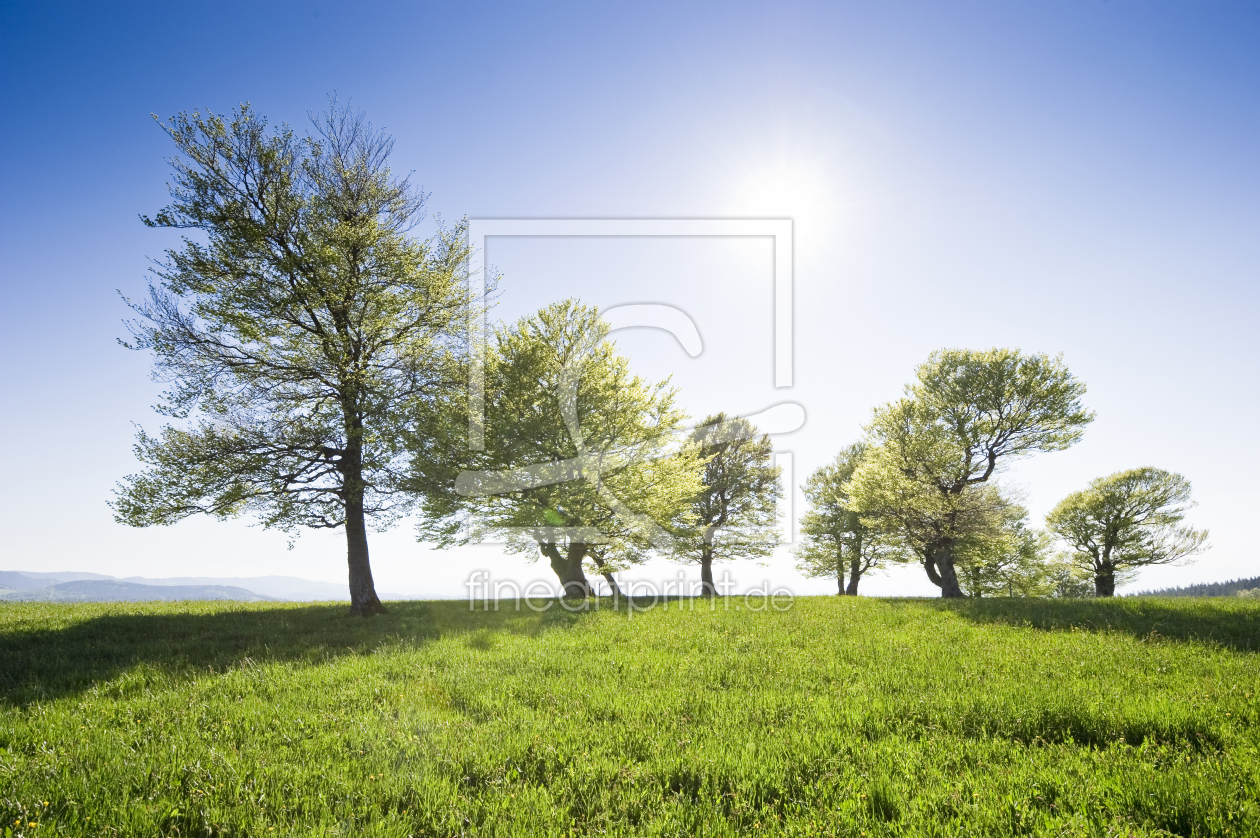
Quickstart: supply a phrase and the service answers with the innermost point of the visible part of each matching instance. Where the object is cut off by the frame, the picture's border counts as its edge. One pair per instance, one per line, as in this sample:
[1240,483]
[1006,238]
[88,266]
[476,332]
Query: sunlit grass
[836,717]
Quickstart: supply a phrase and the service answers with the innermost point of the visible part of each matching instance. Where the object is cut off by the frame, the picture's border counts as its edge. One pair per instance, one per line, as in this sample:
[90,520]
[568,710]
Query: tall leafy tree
[834,539]
[580,453]
[1126,521]
[297,332]
[968,414]
[735,513]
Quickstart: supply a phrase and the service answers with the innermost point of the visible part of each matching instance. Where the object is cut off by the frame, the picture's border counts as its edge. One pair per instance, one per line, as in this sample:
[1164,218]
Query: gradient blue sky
[1076,177]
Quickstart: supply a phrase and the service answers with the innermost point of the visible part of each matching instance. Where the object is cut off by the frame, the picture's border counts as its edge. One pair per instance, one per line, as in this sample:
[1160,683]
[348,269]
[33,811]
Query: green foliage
[997,404]
[1069,582]
[1125,521]
[834,539]
[578,450]
[1132,717]
[298,333]
[735,513]
[968,413]
[1002,555]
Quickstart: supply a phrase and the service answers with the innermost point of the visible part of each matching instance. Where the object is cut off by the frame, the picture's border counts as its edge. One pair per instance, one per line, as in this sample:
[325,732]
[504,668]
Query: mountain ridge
[113,590]
[22,585]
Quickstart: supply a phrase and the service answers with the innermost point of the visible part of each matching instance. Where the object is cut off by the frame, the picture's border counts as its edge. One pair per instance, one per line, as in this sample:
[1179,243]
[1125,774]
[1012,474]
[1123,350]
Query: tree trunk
[839,571]
[855,573]
[1105,582]
[363,600]
[608,577]
[855,565]
[930,567]
[707,588]
[942,560]
[568,568]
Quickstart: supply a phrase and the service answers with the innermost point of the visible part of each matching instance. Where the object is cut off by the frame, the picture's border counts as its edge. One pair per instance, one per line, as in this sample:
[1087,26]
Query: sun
[783,190]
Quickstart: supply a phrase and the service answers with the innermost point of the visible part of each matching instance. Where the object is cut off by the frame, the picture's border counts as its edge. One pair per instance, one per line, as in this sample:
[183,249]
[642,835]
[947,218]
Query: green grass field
[836,717]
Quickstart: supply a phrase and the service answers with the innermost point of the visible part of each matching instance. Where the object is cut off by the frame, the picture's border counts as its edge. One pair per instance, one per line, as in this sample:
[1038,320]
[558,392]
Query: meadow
[836,716]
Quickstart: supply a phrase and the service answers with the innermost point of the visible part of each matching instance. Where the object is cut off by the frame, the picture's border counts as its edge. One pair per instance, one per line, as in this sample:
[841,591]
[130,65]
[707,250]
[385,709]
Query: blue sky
[1076,177]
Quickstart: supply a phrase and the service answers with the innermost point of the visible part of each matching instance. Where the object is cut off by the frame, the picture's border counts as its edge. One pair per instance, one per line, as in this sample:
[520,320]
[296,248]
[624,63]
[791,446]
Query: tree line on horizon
[317,356]
[1246,588]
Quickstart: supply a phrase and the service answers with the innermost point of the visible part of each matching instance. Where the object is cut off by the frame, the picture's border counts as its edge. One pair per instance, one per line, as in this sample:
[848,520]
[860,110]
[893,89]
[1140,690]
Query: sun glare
[783,191]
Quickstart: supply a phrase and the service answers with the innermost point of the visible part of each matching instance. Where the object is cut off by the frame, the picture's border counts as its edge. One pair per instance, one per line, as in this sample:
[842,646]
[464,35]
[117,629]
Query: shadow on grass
[1232,625]
[38,664]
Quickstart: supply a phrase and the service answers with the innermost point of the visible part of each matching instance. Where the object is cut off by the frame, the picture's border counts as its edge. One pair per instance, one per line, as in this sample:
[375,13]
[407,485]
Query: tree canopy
[834,539]
[578,451]
[968,413]
[1127,520]
[735,513]
[297,333]
[1001,554]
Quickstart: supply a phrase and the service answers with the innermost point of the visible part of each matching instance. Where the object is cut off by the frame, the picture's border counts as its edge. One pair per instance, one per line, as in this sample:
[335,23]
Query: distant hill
[15,583]
[22,580]
[1205,589]
[279,587]
[112,590]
